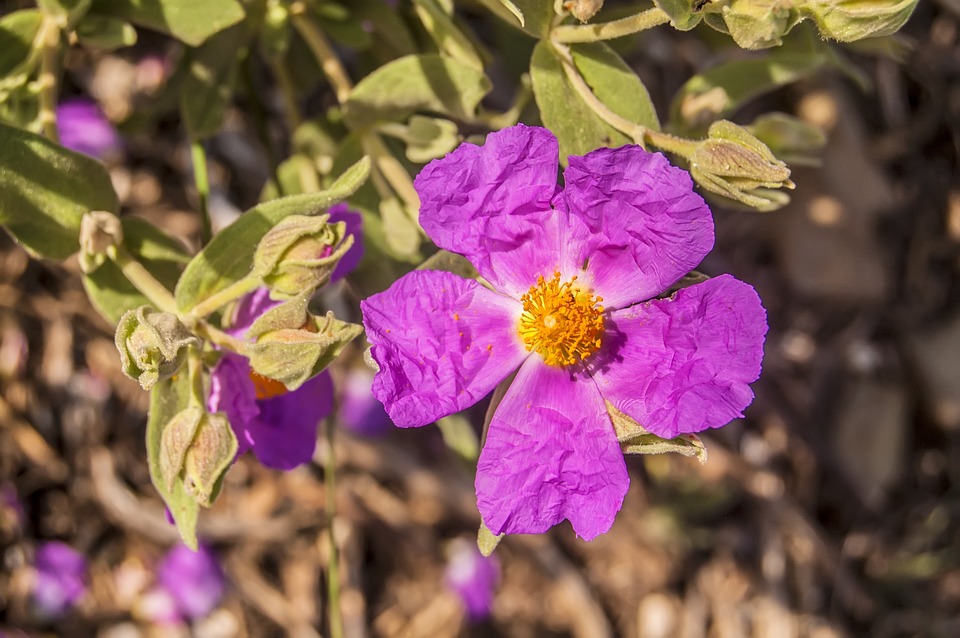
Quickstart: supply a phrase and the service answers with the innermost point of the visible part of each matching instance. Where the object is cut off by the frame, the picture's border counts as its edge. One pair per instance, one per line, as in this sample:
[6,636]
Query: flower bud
[100,234]
[583,10]
[152,344]
[197,448]
[290,345]
[851,20]
[733,163]
[756,24]
[299,253]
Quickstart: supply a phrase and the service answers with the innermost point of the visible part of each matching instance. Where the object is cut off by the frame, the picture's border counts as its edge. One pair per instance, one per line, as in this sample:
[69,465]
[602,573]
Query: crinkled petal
[354,222]
[551,454]
[232,392]
[491,203]
[285,434]
[442,343]
[635,221]
[684,363]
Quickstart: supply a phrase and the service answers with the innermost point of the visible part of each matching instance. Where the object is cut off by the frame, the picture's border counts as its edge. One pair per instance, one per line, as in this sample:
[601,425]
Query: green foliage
[416,83]
[191,21]
[168,399]
[207,87]
[46,189]
[578,126]
[18,32]
[683,13]
[106,33]
[229,256]
[163,256]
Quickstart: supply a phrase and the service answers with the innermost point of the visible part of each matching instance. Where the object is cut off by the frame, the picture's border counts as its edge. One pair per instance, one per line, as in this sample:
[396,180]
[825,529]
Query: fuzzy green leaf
[208,85]
[46,189]
[191,21]
[635,439]
[105,33]
[18,31]
[229,256]
[414,83]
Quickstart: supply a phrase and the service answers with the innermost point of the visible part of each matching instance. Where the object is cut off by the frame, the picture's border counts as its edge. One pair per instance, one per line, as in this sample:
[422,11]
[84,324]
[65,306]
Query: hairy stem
[333,561]
[47,81]
[220,299]
[141,278]
[321,49]
[220,338]
[203,189]
[610,30]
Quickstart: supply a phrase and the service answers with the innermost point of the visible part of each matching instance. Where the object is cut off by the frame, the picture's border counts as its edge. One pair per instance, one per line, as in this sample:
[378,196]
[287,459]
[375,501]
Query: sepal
[152,345]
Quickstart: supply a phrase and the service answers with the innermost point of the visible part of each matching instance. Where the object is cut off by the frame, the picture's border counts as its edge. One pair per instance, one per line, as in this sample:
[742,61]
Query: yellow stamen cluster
[560,321]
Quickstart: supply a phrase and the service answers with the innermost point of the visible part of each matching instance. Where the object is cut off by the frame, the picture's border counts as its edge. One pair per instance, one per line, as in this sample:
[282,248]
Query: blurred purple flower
[61,579]
[360,412]
[473,577]
[193,580]
[624,227]
[279,426]
[83,128]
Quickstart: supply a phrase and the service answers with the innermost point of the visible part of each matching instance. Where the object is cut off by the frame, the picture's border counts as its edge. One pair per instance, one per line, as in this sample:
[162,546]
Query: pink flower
[573,313]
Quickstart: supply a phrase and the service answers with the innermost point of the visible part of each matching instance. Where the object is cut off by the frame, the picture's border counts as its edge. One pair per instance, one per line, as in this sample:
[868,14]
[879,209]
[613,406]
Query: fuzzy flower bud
[756,24]
[733,163]
[100,234]
[197,447]
[583,10]
[152,344]
[851,20]
[290,345]
[299,253]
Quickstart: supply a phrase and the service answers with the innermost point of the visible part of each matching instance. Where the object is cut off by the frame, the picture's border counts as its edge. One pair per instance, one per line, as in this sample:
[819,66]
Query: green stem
[391,169]
[220,299]
[637,132]
[220,338]
[610,30]
[141,278]
[321,49]
[47,81]
[285,83]
[333,567]
[203,189]
[195,375]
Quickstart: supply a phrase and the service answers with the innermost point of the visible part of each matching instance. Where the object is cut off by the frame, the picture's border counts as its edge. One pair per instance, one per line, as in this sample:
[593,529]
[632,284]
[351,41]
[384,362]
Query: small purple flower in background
[473,577]
[280,426]
[360,412]
[192,580]
[575,272]
[60,579]
[83,128]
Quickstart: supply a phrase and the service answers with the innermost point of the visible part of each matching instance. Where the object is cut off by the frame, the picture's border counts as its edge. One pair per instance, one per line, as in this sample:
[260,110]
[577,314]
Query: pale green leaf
[46,189]
[450,262]
[163,256]
[459,436]
[635,439]
[18,31]
[487,541]
[683,14]
[208,84]
[229,256]
[414,83]
[167,399]
[535,16]
[192,21]
[450,40]
[106,33]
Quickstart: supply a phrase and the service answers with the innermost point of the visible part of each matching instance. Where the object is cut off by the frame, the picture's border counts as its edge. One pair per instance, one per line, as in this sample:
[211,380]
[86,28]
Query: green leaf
[208,84]
[450,262]
[535,16]
[18,31]
[192,21]
[446,34]
[46,189]
[635,439]
[229,256]
[683,14]
[105,33]
[167,399]
[577,126]
[163,256]
[68,11]
[416,83]
[459,436]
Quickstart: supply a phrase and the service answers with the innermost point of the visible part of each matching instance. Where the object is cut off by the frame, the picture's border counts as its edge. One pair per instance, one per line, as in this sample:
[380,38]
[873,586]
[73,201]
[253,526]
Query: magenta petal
[551,453]
[442,343]
[491,203]
[232,392]
[685,362]
[249,308]
[285,434]
[640,226]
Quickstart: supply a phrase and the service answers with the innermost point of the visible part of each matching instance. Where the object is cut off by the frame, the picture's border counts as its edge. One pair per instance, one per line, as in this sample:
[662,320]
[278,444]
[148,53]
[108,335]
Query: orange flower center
[560,321]
[266,387]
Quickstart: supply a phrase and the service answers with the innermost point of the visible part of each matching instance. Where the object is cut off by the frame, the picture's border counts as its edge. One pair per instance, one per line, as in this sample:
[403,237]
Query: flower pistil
[561,321]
